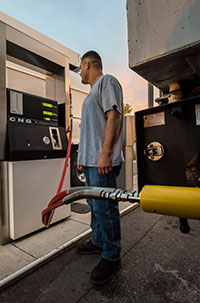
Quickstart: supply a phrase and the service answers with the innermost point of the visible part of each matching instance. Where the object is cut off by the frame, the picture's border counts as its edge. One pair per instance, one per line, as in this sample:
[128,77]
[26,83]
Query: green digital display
[47,113]
[47,104]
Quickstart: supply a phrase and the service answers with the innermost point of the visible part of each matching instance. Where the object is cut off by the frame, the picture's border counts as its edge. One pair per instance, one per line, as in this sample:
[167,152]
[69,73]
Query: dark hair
[94,57]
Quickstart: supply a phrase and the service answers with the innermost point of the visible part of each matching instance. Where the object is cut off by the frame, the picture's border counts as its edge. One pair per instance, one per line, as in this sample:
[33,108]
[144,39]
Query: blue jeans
[105,219]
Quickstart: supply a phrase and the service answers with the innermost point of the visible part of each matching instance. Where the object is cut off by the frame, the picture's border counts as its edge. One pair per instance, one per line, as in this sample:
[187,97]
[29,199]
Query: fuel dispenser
[34,141]
[34,84]
[33,134]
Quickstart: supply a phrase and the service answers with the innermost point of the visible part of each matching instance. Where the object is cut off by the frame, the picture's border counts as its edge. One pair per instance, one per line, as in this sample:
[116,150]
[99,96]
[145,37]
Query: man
[100,157]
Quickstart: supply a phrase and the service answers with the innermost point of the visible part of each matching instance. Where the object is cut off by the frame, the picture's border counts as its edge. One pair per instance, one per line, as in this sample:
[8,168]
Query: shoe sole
[105,280]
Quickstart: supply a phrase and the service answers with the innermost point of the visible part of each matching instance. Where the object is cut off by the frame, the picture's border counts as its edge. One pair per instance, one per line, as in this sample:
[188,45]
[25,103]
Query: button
[46,140]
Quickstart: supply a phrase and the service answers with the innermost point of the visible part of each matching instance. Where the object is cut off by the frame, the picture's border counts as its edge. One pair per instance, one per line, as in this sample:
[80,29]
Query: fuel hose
[86,192]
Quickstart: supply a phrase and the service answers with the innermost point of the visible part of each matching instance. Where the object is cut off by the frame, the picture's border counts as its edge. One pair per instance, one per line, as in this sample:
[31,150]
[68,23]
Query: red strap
[47,214]
[66,163]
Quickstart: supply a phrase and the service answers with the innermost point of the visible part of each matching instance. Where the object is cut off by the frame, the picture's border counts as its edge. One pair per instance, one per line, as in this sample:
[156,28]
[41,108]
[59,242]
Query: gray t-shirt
[105,94]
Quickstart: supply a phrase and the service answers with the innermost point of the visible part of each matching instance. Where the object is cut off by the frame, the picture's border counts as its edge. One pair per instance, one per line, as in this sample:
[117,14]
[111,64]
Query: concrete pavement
[159,264]
[26,252]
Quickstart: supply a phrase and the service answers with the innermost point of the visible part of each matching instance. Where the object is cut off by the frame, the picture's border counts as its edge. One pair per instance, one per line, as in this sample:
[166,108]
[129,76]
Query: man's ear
[88,65]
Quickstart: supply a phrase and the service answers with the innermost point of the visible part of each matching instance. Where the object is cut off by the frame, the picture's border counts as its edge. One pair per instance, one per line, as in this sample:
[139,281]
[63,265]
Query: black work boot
[104,271]
[87,248]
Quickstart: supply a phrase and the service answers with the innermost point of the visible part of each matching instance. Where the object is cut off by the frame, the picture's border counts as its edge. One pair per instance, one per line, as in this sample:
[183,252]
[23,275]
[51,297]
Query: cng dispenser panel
[168,144]
[33,128]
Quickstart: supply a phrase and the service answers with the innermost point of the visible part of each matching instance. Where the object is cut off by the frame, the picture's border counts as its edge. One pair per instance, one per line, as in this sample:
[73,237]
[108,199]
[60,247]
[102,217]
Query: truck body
[164,41]
[164,48]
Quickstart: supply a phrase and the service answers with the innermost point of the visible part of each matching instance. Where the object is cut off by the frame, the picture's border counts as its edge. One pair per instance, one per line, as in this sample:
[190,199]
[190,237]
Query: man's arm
[112,132]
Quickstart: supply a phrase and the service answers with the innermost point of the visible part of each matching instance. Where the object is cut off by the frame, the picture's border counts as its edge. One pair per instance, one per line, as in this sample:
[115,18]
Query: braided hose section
[78,193]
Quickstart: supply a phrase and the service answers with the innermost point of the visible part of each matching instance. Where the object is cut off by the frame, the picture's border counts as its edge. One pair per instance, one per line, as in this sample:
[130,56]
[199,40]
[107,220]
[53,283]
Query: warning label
[154,120]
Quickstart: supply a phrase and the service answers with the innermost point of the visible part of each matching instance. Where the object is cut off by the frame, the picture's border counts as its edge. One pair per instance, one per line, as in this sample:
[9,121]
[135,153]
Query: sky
[83,25]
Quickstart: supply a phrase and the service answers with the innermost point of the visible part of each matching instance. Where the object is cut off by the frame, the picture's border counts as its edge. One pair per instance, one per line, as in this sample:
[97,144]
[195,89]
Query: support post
[4,221]
[150,95]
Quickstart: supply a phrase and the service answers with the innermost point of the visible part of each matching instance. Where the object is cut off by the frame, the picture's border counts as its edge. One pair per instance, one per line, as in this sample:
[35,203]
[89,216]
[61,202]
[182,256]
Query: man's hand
[80,167]
[105,164]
